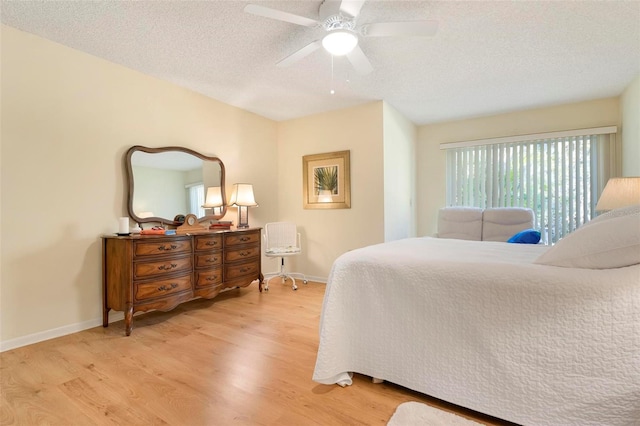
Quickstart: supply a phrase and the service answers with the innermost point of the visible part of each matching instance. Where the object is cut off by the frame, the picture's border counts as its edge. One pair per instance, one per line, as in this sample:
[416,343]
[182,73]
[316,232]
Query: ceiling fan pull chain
[332,91]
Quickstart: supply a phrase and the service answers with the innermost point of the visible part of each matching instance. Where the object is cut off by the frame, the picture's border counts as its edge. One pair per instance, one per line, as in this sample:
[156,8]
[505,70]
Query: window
[195,197]
[559,176]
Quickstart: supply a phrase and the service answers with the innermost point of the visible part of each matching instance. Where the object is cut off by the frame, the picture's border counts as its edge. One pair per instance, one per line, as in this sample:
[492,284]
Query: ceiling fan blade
[351,7]
[415,28]
[359,61]
[299,54]
[280,15]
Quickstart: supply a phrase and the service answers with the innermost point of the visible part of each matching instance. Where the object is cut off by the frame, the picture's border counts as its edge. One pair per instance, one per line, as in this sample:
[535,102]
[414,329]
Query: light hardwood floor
[244,358]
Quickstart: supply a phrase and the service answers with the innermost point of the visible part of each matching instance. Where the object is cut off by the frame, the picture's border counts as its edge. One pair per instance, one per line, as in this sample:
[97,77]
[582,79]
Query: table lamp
[619,192]
[242,198]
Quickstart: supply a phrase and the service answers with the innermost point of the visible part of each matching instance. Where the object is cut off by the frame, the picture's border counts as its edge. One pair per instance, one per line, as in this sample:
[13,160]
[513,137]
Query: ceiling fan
[339,19]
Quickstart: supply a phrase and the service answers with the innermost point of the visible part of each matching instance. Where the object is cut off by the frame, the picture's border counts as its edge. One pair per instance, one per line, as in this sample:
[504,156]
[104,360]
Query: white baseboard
[74,328]
[57,332]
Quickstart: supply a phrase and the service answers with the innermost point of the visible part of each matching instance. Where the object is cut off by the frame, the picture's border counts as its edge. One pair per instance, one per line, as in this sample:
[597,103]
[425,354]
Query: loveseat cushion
[462,223]
[501,223]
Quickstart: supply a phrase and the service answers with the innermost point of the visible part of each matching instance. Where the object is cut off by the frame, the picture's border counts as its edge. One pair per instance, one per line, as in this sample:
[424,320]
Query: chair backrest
[280,234]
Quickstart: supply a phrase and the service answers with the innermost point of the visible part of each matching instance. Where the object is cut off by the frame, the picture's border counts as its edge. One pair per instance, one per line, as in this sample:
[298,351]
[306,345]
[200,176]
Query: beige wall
[326,234]
[400,138]
[431,160]
[630,110]
[67,120]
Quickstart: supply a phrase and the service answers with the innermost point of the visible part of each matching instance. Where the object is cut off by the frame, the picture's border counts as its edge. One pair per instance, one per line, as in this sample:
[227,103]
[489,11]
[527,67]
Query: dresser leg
[260,281]
[105,316]
[128,320]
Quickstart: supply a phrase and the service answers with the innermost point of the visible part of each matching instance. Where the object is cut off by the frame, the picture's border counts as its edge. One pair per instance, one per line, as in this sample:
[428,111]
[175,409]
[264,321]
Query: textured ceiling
[486,58]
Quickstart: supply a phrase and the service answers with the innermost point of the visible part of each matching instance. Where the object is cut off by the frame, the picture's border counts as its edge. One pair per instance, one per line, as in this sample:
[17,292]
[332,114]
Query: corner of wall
[630,113]
[400,137]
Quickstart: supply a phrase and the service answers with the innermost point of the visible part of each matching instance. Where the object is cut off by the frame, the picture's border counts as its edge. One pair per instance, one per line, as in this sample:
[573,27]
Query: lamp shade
[340,42]
[242,195]
[213,198]
[619,192]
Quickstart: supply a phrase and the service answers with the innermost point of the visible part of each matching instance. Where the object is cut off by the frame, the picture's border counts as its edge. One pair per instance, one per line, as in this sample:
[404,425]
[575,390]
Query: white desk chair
[282,239]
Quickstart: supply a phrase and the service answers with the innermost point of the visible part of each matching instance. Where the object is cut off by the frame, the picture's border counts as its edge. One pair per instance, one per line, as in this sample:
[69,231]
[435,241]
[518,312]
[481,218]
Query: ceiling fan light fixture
[340,42]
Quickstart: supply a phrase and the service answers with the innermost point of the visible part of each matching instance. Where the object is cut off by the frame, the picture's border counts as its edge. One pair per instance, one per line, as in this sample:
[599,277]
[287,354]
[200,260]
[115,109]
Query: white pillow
[611,243]
[622,211]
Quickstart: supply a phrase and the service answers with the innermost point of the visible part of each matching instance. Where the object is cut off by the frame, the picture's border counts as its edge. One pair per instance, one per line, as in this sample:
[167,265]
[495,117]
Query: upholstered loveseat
[492,224]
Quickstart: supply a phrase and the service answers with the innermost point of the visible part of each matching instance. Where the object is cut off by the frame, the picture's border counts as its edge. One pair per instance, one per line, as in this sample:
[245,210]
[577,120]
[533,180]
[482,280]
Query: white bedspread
[477,324]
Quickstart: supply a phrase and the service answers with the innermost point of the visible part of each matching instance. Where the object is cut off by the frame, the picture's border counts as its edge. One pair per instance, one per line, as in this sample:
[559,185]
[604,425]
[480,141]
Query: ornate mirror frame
[131,183]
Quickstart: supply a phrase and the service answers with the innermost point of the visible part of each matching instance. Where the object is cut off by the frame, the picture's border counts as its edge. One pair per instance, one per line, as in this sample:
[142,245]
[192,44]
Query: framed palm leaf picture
[325,181]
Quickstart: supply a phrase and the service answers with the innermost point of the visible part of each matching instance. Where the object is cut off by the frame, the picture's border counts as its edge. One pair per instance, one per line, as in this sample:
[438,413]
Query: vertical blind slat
[587,165]
[550,195]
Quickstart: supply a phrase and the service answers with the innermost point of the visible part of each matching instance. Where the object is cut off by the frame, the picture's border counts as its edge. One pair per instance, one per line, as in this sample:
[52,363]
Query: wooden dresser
[145,272]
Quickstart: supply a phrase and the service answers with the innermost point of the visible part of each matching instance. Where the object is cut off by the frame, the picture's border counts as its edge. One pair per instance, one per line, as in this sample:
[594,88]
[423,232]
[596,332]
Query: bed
[491,326]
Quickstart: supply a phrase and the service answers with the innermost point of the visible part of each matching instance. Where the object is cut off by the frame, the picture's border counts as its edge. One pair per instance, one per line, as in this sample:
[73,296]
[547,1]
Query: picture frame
[326,181]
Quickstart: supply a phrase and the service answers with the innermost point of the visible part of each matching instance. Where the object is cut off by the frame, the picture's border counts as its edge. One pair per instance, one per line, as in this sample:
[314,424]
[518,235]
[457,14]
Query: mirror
[167,182]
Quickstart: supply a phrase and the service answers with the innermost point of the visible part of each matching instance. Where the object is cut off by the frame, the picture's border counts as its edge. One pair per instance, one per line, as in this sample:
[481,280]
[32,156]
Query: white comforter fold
[477,324]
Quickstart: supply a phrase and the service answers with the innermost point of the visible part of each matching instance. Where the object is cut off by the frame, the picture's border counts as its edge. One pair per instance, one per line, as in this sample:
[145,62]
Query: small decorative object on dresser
[190,225]
[221,225]
[159,272]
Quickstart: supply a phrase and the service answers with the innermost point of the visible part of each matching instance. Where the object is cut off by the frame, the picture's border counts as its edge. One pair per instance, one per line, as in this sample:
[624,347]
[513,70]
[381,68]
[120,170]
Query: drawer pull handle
[165,248]
[244,239]
[213,278]
[244,253]
[211,243]
[211,259]
[165,288]
[167,268]
[243,270]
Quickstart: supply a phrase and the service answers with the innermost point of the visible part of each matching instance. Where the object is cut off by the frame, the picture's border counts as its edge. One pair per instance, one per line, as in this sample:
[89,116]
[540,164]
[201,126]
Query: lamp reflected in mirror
[242,197]
[213,200]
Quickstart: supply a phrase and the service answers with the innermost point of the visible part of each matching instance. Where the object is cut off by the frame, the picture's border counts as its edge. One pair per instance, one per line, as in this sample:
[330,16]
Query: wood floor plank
[99,407]
[243,358]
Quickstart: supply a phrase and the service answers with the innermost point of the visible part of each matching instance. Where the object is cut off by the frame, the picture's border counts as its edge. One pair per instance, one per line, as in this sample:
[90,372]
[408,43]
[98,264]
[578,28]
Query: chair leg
[284,276]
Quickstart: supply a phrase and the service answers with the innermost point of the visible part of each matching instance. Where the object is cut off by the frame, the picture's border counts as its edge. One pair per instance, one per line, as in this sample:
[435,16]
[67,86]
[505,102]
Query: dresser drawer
[162,247]
[241,269]
[162,287]
[206,260]
[208,242]
[237,238]
[209,277]
[249,252]
[162,267]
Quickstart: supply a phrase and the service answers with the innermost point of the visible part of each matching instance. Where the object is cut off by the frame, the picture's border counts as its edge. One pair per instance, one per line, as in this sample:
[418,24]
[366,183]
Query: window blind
[559,178]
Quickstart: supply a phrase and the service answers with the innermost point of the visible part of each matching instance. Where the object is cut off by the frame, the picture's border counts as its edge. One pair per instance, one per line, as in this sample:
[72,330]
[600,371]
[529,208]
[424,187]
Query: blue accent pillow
[528,236]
